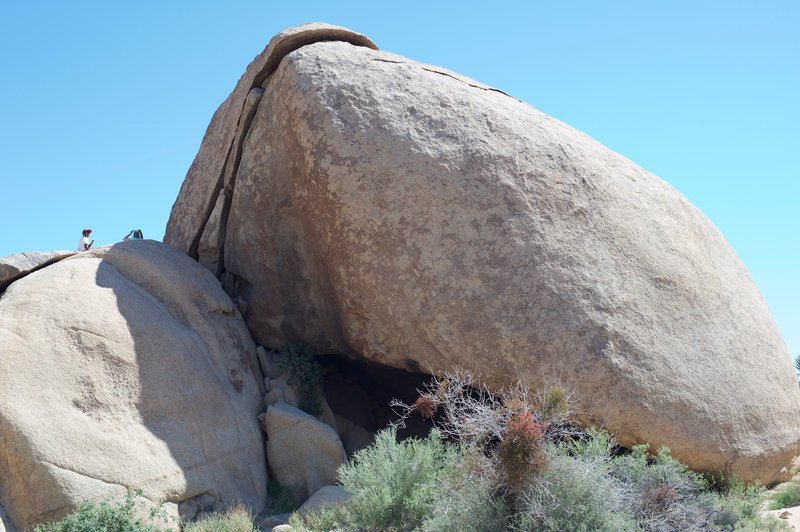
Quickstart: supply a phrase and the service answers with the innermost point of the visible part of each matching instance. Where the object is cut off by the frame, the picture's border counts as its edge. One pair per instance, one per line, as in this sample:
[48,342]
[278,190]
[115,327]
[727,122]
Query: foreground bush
[514,462]
[237,519]
[576,492]
[790,496]
[394,485]
[107,517]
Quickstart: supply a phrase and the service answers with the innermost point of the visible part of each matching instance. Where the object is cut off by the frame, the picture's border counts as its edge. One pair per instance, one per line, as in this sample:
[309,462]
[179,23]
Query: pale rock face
[303,452]
[423,220]
[126,367]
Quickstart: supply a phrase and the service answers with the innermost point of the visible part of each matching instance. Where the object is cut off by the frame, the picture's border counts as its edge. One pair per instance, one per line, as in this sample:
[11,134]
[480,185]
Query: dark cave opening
[360,392]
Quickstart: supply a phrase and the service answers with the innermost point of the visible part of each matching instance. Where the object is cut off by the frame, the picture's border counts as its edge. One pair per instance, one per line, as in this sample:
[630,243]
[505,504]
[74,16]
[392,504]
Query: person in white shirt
[84,243]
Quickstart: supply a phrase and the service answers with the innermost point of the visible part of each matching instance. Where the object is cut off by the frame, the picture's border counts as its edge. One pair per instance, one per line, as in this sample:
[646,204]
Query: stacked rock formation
[126,367]
[365,203]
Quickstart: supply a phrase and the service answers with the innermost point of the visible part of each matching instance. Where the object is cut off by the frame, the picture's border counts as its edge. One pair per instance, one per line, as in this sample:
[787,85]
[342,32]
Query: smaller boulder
[271,521]
[324,497]
[13,267]
[302,451]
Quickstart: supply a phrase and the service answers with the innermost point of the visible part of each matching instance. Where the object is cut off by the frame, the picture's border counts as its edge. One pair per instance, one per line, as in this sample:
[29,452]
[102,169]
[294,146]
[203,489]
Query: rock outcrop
[13,267]
[126,367]
[423,220]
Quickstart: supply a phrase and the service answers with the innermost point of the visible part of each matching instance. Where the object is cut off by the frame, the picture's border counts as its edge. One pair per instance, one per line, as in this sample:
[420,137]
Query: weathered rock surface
[214,170]
[423,220]
[303,452]
[126,367]
[13,267]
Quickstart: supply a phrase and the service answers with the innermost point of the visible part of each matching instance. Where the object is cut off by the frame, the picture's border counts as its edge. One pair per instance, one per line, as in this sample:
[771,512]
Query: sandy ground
[790,516]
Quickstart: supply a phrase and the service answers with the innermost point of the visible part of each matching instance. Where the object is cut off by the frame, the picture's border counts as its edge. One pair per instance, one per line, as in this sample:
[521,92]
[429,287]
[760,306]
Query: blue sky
[103,104]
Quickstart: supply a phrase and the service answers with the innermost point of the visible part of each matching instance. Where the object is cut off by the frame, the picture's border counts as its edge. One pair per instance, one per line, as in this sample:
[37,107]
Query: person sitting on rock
[84,243]
[136,234]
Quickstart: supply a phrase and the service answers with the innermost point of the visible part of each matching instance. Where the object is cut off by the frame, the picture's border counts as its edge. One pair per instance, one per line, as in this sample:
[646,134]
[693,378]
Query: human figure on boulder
[84,243]
[136,234]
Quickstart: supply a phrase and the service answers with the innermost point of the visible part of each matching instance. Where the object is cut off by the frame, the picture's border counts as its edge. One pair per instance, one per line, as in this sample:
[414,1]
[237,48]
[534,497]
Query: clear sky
[103,104]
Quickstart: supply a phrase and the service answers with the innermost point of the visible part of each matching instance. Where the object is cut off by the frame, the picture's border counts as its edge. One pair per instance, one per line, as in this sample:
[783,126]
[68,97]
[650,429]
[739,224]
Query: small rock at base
[272,521]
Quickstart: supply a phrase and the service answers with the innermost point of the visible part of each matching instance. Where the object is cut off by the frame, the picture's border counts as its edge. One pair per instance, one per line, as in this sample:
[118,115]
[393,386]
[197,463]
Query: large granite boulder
[424,220]
[126,367]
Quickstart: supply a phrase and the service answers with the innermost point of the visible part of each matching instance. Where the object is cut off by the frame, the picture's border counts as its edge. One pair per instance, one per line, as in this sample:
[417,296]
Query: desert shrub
[575,493]
[393,485]
[467,501]
[739,505]
[444,490]
[237,519]
[282,499]
[107,516]
[306,376]
[520,454]
[662,493]
[594,445]
[790,496]
[514,461]
[509,426]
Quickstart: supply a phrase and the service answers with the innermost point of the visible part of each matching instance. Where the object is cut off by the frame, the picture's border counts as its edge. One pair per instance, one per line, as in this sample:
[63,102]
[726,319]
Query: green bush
[237,519]
[662,493]
[107,517]
[306,376]
[516,463]
[790,496]
[468,498]
[575,493]
[739,506]
[393,485]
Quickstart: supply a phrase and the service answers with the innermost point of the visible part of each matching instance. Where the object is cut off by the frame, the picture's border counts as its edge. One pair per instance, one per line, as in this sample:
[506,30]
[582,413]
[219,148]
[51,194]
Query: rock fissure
[195,244]
[481,87]
[85,475]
